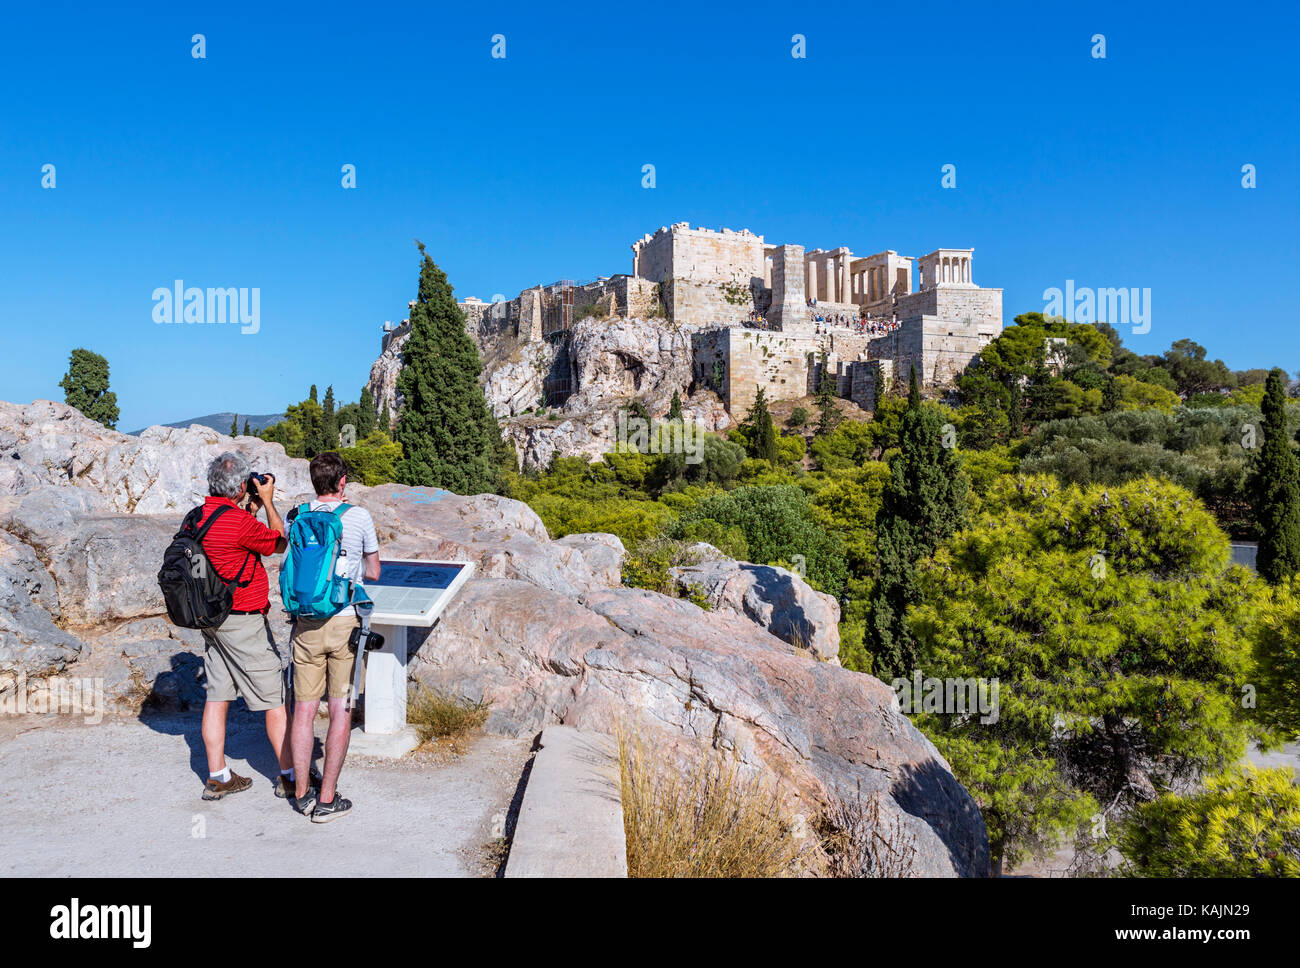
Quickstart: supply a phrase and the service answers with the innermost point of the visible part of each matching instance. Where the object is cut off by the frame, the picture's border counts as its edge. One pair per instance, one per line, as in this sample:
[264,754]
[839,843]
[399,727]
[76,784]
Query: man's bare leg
[303,740]
[213,731]
[336,746]
[277,731]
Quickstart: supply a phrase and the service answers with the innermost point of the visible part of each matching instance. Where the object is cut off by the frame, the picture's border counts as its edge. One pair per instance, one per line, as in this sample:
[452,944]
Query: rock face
[160,471]
[778,600]
[604,363]
[545,631]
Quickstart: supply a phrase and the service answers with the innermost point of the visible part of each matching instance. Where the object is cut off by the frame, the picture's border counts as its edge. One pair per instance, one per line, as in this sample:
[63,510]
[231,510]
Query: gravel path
[121,798]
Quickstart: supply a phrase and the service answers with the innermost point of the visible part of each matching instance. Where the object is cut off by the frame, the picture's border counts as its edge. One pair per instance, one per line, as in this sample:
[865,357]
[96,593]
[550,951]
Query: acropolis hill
[715,315]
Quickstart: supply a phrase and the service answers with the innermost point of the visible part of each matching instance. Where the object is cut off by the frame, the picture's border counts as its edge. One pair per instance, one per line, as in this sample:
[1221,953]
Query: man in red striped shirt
[240,657]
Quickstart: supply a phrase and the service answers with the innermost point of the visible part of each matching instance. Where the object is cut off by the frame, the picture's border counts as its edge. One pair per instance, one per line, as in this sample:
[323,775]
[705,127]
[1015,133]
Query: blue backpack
[310,585]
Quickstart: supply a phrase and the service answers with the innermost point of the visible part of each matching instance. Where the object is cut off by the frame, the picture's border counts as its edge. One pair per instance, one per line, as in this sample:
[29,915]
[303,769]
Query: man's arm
[370,548]
[266,497]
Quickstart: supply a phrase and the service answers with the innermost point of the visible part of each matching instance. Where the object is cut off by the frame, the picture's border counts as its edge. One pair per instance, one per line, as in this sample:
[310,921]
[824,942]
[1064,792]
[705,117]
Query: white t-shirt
[359,536]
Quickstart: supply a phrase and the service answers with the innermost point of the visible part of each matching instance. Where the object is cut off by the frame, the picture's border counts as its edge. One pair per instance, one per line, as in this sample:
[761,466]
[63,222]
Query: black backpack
[196,596]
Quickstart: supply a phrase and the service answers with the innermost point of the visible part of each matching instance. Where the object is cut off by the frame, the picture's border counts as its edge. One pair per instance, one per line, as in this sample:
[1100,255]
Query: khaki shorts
[240,659]
[321,658]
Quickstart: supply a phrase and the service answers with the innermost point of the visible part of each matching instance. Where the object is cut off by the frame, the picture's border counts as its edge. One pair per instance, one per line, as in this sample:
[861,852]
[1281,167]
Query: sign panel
[414,593]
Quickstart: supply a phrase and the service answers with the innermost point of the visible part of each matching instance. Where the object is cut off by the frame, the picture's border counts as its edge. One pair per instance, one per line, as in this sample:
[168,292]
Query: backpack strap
[343,506]
[202,532]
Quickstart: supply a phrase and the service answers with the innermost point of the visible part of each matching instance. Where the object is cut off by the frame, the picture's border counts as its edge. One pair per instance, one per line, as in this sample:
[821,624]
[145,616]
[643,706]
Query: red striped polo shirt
[232,537]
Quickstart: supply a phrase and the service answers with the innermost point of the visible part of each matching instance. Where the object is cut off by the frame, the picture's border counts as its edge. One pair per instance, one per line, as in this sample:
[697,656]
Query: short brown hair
[327,470]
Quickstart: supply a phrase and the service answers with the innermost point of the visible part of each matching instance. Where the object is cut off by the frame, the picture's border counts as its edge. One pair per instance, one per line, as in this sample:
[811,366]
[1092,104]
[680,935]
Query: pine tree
[922,505]
[762,434]
[675,408]
[248,431]
[234,426]
[1275,487]
[448,435]
[366,414]
[329,421]
[830,416]
[85,387]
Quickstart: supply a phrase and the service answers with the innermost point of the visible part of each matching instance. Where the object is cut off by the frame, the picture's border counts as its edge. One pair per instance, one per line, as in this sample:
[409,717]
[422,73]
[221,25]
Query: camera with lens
[373,640]
[255,479]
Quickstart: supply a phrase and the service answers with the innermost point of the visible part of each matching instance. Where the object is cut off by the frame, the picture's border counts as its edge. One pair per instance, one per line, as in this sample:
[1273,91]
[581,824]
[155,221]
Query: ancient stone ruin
[714,315]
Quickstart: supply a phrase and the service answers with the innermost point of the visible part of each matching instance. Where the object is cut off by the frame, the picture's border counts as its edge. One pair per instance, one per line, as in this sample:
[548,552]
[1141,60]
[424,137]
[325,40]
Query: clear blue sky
[226,171]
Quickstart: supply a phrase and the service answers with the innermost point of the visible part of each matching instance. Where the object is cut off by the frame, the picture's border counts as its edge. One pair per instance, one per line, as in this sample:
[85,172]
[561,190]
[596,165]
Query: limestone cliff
[563,394]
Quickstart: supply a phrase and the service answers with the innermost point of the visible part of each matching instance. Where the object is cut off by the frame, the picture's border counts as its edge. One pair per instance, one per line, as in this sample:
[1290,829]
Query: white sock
[288,773]
[222,777]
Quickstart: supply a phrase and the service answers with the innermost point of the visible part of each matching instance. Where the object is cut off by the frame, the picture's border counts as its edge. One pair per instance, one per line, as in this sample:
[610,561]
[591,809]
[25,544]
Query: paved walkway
[121,798]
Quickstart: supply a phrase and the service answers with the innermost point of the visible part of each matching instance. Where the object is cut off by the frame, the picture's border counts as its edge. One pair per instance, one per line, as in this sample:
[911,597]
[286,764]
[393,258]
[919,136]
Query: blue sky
[225,171]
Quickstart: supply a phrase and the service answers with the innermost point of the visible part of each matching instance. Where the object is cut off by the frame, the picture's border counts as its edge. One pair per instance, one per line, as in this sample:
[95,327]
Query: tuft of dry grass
[709,821]
[438,715]
[857,842]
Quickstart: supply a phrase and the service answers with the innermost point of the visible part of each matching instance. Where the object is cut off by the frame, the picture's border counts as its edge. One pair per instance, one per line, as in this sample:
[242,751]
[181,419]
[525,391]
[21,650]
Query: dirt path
[121,798]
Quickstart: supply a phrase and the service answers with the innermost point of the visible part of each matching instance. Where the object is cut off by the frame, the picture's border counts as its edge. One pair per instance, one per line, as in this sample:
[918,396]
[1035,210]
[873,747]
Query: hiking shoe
[325,812]
[216,790]
[285,788]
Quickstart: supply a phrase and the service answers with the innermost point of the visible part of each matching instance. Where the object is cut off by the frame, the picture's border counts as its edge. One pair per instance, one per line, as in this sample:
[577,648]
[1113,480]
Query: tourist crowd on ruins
[823,322]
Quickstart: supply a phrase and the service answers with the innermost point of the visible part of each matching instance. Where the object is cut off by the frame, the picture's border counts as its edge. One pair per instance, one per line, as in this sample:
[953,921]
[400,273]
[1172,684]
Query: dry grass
[709,821]
[857,842]
[436,715]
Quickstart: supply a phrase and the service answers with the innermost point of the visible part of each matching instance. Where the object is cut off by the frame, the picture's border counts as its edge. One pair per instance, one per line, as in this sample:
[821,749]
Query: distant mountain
[221,422]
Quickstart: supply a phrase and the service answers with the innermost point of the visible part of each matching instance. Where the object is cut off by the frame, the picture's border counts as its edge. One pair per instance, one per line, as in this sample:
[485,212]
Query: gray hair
[226,474]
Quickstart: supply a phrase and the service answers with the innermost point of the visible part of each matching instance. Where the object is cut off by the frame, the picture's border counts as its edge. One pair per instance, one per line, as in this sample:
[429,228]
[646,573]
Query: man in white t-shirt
[322,661]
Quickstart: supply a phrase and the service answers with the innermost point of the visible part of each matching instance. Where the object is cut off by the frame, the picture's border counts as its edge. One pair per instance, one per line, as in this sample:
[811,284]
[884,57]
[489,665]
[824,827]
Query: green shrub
[1246,823]
[778,523]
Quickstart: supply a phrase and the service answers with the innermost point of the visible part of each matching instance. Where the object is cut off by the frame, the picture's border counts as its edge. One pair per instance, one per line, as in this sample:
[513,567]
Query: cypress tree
[234,425]
[386,419]
[311,421]
[830,416]
[675,408]
[449,437]
[762,434]
[922,505]
[366,414]
[248,431]
[1275,487]
[85,387]
[329,421]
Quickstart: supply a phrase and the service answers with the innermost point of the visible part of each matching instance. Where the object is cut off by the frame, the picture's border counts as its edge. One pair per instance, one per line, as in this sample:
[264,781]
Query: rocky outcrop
[604,364]
[160,471]
[774,598]
[544,632]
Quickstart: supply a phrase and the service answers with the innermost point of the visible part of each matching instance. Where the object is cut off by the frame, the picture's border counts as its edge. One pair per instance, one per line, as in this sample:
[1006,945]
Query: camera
[373,640]
[254,479]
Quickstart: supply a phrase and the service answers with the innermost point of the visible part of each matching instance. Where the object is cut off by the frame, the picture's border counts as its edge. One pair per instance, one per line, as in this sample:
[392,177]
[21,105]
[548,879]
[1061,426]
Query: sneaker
[216,790]
[306,805]
[285,788]
[325,812]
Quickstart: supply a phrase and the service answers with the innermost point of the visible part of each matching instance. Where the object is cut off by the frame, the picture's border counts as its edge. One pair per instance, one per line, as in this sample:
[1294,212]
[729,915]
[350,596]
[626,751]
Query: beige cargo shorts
[322,661]
[240,660]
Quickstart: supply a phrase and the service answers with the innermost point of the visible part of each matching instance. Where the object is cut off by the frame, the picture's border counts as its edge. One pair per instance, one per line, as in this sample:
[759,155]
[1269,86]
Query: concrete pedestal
[385,732]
